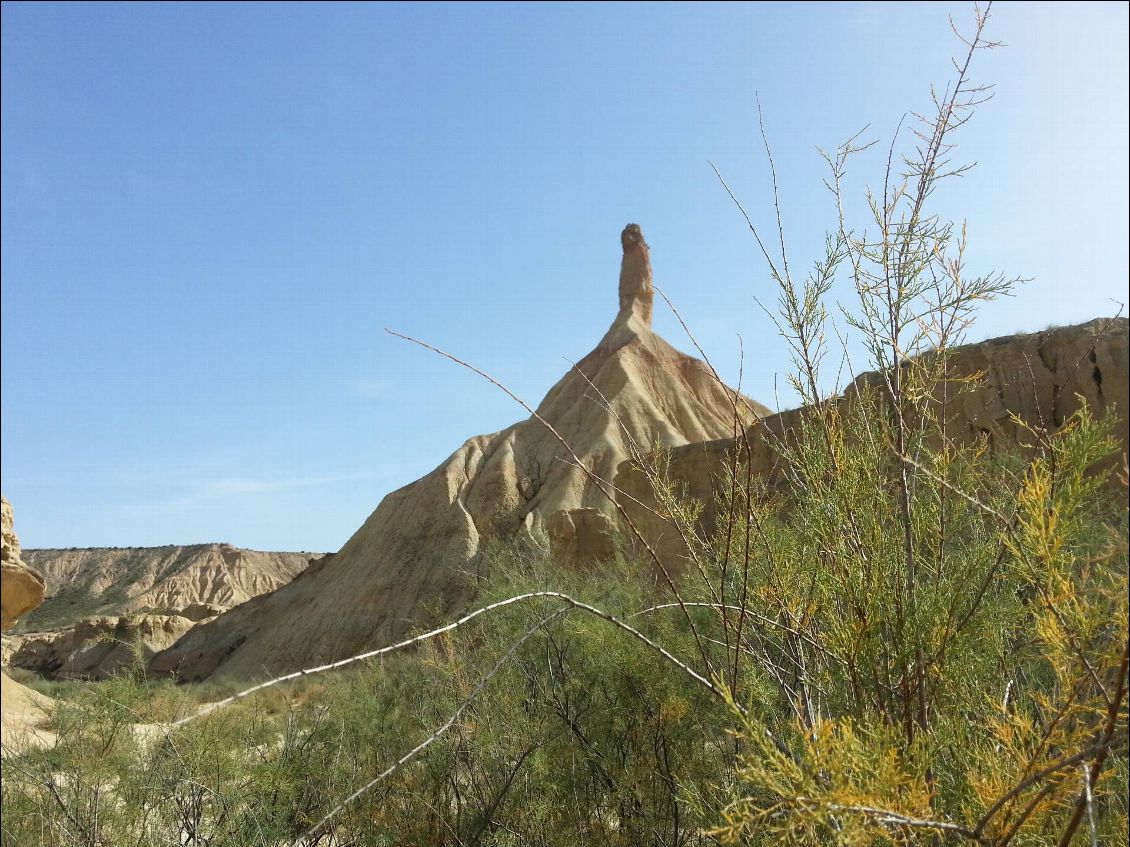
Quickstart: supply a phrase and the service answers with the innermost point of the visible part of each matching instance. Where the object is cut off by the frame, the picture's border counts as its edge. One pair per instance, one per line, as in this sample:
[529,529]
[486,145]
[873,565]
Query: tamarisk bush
[948,654]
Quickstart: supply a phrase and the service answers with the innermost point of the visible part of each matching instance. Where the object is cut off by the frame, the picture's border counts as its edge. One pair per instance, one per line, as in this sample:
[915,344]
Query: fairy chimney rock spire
[635,277]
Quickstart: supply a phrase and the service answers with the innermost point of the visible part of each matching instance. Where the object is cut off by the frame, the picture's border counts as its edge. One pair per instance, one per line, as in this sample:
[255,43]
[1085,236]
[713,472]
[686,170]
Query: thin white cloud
[371,388]
[216,492]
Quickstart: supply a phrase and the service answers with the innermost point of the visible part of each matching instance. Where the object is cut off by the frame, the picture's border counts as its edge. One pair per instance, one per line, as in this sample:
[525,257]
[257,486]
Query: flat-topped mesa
[635,278]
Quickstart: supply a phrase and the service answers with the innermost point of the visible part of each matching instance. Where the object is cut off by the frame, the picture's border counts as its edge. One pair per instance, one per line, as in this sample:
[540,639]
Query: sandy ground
[24,717]
[26,720]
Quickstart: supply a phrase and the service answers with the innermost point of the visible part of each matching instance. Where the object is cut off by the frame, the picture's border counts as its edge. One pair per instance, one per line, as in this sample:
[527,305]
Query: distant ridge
[108,581]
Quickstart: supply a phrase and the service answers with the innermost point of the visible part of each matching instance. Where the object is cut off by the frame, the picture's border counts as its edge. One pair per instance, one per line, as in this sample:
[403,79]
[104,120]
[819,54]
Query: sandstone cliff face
[405,566]
[1039,377]
[22,585]
[23,712]
[104,581]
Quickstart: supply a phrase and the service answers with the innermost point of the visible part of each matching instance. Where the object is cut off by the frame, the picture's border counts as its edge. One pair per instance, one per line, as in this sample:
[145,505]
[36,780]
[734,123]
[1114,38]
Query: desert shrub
[582,737]
[940,626]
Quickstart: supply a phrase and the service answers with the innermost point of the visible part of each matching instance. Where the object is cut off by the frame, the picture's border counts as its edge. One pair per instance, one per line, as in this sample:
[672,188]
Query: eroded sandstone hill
[88,613]
[403,568]
[114,581]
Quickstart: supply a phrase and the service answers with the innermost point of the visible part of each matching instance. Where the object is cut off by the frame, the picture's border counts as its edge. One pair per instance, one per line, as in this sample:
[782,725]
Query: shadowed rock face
[1042,378]
[22,586]
[95,648]
[413,561]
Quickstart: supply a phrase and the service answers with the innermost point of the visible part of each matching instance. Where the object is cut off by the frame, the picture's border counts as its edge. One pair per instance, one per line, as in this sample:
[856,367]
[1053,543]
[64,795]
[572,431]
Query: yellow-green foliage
[966,706]
[939,629]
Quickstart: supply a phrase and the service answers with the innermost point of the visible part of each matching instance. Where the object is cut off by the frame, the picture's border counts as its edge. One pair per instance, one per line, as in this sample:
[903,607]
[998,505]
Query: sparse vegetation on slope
[112,581]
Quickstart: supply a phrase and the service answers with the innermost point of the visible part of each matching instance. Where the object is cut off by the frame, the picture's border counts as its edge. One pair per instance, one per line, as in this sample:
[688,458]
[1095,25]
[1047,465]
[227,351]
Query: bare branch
[425,636]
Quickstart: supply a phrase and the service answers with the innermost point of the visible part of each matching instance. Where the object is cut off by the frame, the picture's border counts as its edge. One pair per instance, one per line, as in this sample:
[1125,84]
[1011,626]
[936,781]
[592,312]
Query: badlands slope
[404,568]
[105,581]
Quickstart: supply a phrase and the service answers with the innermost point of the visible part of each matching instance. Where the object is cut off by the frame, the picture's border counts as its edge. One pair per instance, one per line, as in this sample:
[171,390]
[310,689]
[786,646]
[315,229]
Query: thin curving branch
[425,636]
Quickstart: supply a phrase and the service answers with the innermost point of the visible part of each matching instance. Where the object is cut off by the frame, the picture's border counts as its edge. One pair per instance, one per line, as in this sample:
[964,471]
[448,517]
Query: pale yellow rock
[24,717]
[582,536]
[21,587]
[22,592]
[636,290]
[408,565]
[9,543]
[23,712]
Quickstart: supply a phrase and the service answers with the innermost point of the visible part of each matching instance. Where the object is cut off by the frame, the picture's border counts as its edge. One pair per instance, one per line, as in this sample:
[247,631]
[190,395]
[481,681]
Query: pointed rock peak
[635,278]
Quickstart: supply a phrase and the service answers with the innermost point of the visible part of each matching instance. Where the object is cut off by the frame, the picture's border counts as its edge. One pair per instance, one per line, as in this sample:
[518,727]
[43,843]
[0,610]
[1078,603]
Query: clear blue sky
[211,211]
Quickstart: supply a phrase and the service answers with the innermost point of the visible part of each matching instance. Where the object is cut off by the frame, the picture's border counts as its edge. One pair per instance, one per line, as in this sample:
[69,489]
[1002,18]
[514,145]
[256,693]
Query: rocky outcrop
[636,289]
[22,585]
[582,536]
[24,713]
[95,648]
[179,580]
[409,564]
[1039,379]
[24,717]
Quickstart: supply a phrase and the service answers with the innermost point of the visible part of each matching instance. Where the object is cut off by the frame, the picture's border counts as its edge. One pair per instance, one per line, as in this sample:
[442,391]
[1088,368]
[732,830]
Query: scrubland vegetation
[903,638]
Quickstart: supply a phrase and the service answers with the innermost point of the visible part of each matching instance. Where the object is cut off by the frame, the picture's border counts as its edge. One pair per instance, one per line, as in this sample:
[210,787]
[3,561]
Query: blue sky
[211,211]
